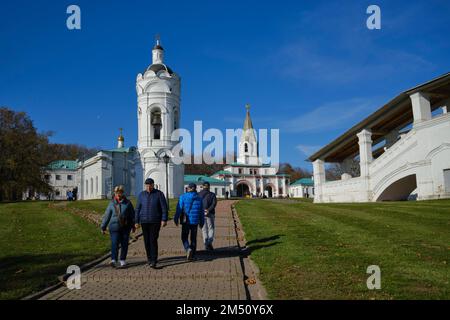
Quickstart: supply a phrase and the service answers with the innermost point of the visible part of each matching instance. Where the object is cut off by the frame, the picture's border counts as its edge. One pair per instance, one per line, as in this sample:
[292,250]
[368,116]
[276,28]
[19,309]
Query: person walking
[190,215]
[209,209]
[151,214]
[119,219]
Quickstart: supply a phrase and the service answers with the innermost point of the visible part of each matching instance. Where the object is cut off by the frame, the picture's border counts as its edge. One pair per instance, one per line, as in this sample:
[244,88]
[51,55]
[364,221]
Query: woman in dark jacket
[119,219]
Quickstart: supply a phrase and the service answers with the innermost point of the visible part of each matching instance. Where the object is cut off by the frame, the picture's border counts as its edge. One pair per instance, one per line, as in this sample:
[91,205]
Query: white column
[365,159]
[284,186]
[365,151]
[277,187]
[421,107]
[261,183]
[319,179]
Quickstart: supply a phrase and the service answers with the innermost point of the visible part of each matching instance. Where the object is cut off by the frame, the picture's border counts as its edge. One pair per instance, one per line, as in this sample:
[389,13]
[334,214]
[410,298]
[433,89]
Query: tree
[71,151]
[335,170]
[24,154]
[203,168]
[294,172]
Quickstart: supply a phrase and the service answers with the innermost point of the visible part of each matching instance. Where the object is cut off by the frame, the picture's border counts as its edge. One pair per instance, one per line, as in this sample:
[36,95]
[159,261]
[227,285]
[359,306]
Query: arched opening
[156,124]
[246,147]
[400,189]
[242,190]
[268,191]
[175,119]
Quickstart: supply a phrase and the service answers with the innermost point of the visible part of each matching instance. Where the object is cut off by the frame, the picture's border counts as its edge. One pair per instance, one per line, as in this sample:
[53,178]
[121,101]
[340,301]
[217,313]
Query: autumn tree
[24,154]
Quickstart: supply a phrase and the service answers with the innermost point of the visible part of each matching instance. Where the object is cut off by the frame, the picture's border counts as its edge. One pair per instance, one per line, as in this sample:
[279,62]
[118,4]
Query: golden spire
[248,121]
[120,138]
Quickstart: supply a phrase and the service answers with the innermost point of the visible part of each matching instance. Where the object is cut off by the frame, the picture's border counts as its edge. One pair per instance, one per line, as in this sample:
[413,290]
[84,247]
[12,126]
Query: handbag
[122,220]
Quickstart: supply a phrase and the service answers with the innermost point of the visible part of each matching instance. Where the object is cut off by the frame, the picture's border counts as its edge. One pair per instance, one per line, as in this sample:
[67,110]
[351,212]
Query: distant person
[119,219]
[190,215]
[151,214]
[74,193]
[209,208]
[226,194]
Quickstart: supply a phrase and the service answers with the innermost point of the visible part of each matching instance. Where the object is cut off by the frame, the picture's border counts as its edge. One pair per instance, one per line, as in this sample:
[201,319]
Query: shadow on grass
[262,240]
[24,274]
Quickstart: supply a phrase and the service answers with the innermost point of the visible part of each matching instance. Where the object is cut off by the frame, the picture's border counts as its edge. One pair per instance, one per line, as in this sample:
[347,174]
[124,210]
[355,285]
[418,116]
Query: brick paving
[217,275]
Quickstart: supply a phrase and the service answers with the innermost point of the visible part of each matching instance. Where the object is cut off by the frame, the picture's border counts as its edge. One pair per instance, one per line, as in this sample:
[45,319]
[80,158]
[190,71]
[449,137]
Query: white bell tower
[248,145]
[158,113]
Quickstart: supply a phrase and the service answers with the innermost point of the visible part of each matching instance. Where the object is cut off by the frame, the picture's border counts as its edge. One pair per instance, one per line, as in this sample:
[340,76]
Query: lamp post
[165,156]
[166,159]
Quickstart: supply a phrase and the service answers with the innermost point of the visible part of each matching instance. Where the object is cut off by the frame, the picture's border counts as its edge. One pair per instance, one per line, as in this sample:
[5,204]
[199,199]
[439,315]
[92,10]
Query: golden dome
[120,138]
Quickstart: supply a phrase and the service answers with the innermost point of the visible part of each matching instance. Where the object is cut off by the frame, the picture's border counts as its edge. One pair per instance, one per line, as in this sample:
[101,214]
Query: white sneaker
[122,263]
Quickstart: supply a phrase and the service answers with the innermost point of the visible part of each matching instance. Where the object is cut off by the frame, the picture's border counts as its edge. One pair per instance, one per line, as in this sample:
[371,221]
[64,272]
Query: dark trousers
[191,229]
[121,237]
[150,231]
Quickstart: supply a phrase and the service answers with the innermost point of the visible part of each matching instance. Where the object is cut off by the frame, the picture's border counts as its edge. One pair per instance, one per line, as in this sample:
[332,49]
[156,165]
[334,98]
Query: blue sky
[310,68]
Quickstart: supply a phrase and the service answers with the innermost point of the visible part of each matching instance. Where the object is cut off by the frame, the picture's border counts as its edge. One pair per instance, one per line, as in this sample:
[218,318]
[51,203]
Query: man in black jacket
[151,214]
[209,207]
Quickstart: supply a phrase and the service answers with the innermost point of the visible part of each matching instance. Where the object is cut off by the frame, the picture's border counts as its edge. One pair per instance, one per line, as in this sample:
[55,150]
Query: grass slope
[38,243]
[322,251]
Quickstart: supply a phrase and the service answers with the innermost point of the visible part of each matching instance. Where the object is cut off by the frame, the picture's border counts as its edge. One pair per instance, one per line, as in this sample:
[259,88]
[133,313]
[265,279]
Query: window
[175,119]
[87,185]
[240,171]
[215,190]
[47,177]
[92,185]
[57,192]
[58,177]
[223,191]
[245,147]
[69,177]
[156,124]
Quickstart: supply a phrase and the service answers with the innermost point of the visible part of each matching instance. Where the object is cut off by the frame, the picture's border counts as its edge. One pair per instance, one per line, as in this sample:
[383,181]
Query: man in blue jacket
[151,214]
[191,207]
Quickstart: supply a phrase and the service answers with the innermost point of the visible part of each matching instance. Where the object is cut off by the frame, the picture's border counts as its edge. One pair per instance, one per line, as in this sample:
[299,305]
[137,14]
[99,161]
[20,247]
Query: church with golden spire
[248,176]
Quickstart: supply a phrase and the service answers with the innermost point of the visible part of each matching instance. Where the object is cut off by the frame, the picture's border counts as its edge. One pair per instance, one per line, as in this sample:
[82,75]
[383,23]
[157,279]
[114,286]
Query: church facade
[248,176]
[158,115]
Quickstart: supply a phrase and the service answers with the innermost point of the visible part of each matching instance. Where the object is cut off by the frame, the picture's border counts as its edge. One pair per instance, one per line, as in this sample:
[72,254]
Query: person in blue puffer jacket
[191,205]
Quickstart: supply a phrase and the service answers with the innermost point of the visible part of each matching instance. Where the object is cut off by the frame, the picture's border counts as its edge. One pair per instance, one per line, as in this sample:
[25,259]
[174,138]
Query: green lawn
[38,243]
[99,206]
[322,251]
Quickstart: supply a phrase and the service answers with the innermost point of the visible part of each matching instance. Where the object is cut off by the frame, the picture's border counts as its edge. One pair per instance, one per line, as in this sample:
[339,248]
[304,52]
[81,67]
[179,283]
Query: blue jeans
[121,237]
[208,229]
[191,229]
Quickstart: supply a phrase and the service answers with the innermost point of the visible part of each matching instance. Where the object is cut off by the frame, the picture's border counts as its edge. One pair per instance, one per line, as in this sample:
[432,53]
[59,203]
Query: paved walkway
[218,275]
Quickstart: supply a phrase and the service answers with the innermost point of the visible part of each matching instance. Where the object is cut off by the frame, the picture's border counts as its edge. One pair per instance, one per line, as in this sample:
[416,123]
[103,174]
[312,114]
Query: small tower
[158,114]
[120,140]
[248,145]
[157,52]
